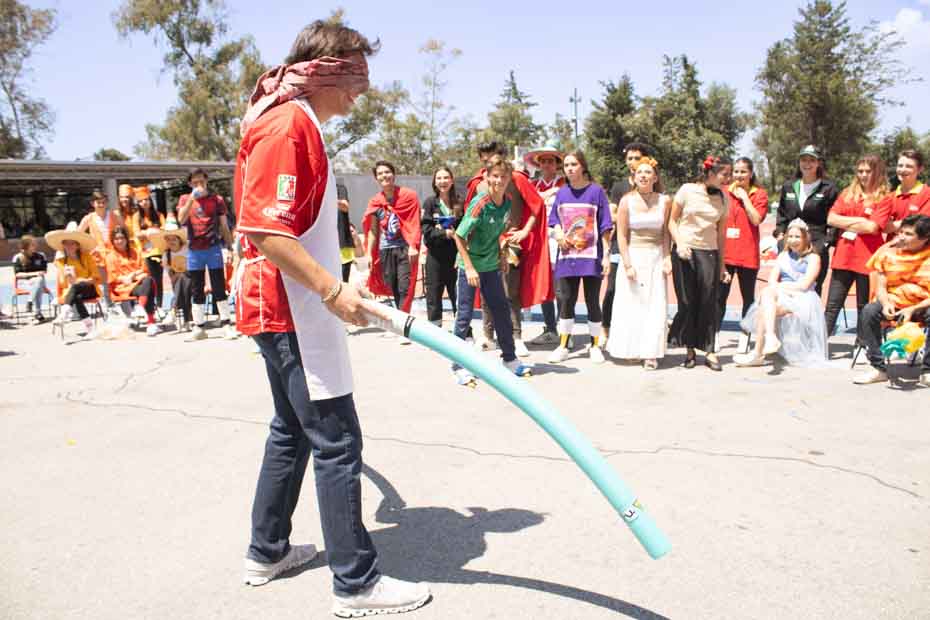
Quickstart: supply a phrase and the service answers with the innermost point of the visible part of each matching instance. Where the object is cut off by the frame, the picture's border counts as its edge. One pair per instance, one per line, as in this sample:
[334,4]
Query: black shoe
[689,361]
[713,364]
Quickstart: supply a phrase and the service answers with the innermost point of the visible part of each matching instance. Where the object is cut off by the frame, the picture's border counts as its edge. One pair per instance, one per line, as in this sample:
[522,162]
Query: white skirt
[640,312]
[803,332]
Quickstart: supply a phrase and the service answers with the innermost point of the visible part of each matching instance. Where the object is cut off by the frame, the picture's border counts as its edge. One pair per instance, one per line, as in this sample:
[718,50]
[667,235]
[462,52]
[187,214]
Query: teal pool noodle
[516,390]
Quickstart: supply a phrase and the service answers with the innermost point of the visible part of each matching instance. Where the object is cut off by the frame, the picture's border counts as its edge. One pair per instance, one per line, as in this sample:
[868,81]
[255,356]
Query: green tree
[510,122]
[106,154]
[897,140]
[824,85]
[214,76]
[680,124]
[368,116]
[605,134]
[562,132]
[431,106]
[25,121]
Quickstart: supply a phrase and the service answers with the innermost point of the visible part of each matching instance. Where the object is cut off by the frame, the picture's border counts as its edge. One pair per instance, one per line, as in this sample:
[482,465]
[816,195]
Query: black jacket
[814,212]
[434,236]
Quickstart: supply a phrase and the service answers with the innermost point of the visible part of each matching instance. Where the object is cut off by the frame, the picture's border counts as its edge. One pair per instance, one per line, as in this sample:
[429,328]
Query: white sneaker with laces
[559,355]
[387,596]
[872,375]
[152,330]
[230,332]
[519,368]
[520,348]
[259,573]
[596,354]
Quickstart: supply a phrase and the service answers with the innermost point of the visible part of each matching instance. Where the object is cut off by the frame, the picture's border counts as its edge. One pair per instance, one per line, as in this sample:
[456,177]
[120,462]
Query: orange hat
[125,190]
[142,192]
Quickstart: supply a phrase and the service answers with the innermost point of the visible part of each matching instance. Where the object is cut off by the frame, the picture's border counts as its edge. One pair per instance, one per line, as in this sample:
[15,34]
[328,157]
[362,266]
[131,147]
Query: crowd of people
[516,241]
[117,257]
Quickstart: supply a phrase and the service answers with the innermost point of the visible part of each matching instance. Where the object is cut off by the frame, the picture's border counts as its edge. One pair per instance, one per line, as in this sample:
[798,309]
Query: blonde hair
[801,225]
[878,182]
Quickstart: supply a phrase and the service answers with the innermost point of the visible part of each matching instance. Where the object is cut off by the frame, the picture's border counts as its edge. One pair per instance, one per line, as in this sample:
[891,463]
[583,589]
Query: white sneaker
[872,375]
[152,330]
[596,354]
[259,573]
[138,312]
[198,333]
[230,332]
[925,378]
[559,355]
[519,368]
[388,596]
[170,319]
[66,314]
[464,377]
[744,360]
[405,340]
[520,348]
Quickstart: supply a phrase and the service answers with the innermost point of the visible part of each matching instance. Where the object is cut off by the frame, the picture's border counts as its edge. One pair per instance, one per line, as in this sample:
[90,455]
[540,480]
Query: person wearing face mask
[697,225]
[902,293]
[441,212]
[642,308]
[749,205]
[860,214]
[809,196]
[789,318]
[391,225]
[203,213]
[911,197]
[632,154]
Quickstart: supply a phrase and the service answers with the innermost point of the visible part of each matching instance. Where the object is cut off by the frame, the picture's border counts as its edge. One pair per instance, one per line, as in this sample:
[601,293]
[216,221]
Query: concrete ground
[128,469]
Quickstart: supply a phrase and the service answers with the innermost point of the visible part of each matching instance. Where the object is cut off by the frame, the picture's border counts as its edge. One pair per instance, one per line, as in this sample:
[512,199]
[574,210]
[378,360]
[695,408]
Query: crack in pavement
[165,361]
[607,453]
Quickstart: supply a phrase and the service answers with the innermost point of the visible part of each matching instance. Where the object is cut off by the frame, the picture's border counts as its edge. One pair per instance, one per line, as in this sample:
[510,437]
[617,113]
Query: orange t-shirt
[853,250]
[120,265]
[907,274]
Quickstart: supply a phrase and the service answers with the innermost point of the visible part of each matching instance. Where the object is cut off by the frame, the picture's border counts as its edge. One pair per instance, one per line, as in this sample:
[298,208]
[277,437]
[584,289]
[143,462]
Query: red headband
[710,162]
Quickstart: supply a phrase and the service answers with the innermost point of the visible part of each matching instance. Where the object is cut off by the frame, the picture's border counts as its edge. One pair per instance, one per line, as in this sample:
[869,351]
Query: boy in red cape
[529,282]
[391,225]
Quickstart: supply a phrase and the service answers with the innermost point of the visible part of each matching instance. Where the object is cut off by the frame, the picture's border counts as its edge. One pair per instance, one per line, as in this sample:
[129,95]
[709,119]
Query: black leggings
[182,296]
[217,283]
[153,265]
[609,293]
[441,275]
[76,296]
[696,287]
[395,271]
[346,271]
[840,282]
[144,291]
[747,288]
[566,291]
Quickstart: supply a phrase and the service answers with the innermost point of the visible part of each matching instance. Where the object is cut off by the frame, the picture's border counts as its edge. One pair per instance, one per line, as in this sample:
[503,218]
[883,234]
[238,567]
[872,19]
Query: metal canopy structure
[26,176]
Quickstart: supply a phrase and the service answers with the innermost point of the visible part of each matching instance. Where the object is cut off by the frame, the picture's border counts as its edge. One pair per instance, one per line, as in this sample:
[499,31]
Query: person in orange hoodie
[391,226]
[127,275]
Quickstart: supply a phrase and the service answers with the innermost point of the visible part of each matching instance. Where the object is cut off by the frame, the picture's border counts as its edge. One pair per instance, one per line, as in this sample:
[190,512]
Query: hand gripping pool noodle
[515,389]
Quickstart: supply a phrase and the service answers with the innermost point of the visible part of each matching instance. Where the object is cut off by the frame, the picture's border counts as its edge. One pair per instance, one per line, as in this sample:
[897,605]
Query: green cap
[810,151]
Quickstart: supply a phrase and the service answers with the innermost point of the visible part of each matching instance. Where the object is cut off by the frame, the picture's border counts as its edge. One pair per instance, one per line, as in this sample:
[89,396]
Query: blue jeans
[492,289]
[37,288]
[329,429]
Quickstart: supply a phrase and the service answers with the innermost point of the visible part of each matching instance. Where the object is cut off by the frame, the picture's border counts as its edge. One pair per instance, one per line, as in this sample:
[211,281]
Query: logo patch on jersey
[287,187]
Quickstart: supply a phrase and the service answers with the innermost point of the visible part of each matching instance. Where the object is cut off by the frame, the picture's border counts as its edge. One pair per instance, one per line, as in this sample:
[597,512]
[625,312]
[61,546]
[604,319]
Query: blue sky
[104,89]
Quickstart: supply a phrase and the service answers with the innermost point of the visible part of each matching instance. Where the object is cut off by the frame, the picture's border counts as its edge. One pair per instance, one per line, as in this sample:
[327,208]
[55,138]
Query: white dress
[803,332]
[640,311]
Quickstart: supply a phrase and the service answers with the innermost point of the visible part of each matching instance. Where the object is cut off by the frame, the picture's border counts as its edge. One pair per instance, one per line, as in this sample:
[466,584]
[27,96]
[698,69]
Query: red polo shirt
[853,250]
[281,176]
[914,202]
[742,248]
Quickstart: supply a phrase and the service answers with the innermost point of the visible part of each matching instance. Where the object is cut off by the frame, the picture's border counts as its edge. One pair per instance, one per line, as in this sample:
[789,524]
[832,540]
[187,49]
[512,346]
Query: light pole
[575,100]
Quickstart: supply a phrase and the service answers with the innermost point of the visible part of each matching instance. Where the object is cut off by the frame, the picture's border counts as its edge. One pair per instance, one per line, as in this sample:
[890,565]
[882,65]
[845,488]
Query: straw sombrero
[551,148]
[55,238]
[157,237]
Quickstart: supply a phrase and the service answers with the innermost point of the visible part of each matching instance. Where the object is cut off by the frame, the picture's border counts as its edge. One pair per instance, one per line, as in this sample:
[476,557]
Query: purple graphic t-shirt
[584,215]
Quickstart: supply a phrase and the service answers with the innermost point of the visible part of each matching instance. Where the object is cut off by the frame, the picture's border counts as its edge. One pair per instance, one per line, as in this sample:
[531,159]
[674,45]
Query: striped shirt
[907,274]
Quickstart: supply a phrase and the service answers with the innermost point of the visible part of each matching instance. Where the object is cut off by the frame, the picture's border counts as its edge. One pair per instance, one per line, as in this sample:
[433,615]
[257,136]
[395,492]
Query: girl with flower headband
[788,319]
[641,310]
[697,225]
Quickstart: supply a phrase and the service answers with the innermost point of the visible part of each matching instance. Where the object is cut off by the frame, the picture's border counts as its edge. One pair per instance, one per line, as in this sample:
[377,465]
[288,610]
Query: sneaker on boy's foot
[464,377]
[596,354]
[520,348]
[230,332]
[545,338]
[387,596]
[519,368]
[152,330]
[872,375]
[198,333]
[559,355]
[259,573]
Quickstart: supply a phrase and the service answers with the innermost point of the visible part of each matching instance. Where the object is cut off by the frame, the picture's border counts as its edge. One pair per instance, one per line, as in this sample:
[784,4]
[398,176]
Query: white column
[109,188]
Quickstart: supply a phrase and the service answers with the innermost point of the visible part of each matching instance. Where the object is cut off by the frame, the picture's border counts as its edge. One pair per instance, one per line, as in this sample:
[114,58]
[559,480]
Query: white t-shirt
[806,190]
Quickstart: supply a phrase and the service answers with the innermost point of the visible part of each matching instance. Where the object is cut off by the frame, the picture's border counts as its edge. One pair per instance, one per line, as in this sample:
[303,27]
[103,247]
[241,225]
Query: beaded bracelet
[333,292]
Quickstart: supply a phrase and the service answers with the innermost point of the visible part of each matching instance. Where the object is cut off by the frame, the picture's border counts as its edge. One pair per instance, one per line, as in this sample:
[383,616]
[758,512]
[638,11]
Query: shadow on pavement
[434,544]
